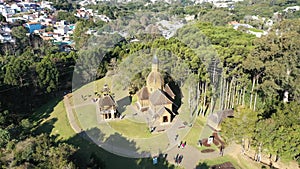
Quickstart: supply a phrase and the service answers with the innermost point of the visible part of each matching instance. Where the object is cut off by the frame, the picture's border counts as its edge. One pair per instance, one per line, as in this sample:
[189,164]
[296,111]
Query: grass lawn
[52,118]
[131,129]
[86,116]
[194,134]
[54,122]
[87,92]
[238,161]
[207,163]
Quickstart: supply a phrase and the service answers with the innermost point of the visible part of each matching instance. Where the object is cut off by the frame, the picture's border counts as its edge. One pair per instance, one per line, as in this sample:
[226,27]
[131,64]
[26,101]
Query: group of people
[182,144]
[178,159]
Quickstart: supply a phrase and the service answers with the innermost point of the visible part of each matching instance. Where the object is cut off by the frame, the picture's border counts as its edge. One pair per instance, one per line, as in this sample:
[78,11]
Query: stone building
[107,105]
[156,98]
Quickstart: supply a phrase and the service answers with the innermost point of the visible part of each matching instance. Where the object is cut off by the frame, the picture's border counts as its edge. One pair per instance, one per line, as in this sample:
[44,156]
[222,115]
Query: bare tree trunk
[249,145]
[201,97]
[234,94]
[237,95]
[204,102]
[226,95]
[240,96]
[258,159]
[243,99]
[229,93]
[221,94]
[243,146]
[251,94]
[198,96]
[286,92]
[254,106]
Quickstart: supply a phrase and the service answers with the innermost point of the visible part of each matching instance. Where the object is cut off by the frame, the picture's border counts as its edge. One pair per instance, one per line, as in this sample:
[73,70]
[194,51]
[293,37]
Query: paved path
[191,155]
[71,116]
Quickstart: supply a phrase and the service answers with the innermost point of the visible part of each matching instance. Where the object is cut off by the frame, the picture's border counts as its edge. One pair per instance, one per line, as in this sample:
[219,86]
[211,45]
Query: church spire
[155,64]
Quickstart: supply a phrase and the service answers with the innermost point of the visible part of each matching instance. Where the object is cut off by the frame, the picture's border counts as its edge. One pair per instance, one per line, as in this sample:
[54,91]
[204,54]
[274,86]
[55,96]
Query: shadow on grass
[44,112]
[46,127]
[89,152]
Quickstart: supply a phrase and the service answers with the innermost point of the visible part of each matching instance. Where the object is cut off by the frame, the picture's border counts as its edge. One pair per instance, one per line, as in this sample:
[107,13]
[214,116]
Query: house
[84,13]
[214,120]
[47,5]
[7,11]
[32,26]
[107,105]
[15,19]
[156,98]
[101,17]
[62,30]
[292,9]
[6,37]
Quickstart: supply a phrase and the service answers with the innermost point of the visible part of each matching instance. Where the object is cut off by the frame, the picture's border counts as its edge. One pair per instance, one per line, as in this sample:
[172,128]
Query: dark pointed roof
[155,78]
[169,91]
[159,98]
[155,60]
[106,101]
[143,94]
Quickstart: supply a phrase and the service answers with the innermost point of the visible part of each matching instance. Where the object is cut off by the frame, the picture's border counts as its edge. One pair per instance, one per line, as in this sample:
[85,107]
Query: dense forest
[257,77]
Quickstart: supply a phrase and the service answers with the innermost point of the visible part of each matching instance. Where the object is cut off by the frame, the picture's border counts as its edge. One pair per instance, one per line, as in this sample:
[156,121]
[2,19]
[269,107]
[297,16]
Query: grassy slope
[238,161]
[125,127]
[51,118]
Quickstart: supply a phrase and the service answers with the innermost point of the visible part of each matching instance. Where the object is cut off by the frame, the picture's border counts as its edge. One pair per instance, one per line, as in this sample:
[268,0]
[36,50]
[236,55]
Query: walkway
[191,155]
[70,114]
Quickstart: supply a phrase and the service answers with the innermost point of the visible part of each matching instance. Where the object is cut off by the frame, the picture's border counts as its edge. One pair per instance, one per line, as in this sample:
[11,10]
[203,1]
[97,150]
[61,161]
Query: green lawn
[238,162]
[131,129]
[207,163]
[87,92]
[54,122]
[52,118]
[86,116]
[194,134]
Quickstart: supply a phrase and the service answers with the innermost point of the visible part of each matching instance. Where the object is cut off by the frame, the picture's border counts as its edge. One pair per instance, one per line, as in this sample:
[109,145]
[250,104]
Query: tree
[22,40]
[278,135]
[2,18]
[4,137]
[241,127]
[40,152]
[274,62]
[68,16]
[17,71]
[47,74]
[79,35]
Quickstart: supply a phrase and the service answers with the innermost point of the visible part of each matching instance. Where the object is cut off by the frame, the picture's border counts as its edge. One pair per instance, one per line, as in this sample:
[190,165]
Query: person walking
[176,159]
[200,143]
[222,150]
[176,137]
[180,159]
[179,144]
